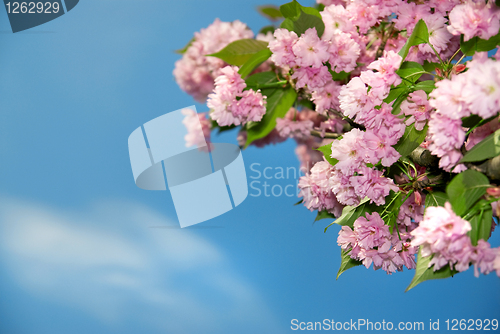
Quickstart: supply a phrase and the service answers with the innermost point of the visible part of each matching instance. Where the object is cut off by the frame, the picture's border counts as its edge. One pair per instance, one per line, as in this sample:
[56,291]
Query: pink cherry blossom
[313,78]
[195,73]
[310,50]
[371,183]
[327,97]
[418,108]
[282,47]
[475,18]
[343,52]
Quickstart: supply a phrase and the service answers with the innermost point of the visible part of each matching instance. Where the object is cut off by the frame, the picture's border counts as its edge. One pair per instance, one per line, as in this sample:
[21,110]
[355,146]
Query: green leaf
[271,12]
[184,49]
[430,67]
[347,262]
[471,121]
[419,35]
[409,70]
[410,140]
[279,101]
[261,78]
[477,44]
[299,18]
[435,198]
[290,10]
[465,189]
[396,92]
[254,61]
[339,76]
[239,52]
[266,29]
[327,152]
[396,106]
[299,202]
[424,273]
[427,86]
[324,215]
[481,224]
[351,213]
[486,149]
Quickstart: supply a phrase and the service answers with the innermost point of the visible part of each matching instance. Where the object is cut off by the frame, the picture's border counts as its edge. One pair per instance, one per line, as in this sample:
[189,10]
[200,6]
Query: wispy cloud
[108,263]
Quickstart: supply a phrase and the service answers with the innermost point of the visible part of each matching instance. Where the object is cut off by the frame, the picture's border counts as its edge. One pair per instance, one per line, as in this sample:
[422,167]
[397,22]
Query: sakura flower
[336,20]
[313,78]
[327,97]
[230,104]
[387,67]
[475,18]
[354,100]
[294,129]
[310,50]
[195,73]
[316,190]
[380,143]
[418,108]
[282,47]
[372,184]
[198,128]
[349,151]
[343,52]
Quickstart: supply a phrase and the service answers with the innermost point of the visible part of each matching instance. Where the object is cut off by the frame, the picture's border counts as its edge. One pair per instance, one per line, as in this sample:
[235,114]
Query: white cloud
[110,264]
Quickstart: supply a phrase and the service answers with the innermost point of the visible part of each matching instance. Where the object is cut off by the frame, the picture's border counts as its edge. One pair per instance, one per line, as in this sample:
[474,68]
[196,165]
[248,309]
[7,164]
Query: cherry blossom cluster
[443,234]
[371,242]
[196,136]
[195,72]
[355,102]
[231,104]
[475,92]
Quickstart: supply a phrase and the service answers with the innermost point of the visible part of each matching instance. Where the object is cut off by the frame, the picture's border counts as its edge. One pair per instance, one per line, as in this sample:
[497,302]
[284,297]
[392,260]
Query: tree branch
[327,134]
[423,157]
[385,37]
[490,167]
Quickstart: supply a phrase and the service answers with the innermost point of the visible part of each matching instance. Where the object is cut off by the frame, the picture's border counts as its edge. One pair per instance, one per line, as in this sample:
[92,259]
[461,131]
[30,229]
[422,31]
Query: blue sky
[82,249]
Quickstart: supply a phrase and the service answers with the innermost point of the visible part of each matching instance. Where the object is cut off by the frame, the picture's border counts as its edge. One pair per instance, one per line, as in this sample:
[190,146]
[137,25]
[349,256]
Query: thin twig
[385,38]
[327,134]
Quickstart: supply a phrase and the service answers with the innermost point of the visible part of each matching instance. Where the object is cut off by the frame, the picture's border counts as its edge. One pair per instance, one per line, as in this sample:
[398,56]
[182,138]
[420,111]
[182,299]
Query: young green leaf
[184,49]
[486,149]
[465,189]
[351,213]
[410,70]
[254,61]
[261,78]
[290,10]
[435,198]
[347,262]
[240,51]
[271,12]
[266,29]
[427,86]
[471,121]
[396,92]
[324,215]
[424,273]
[477,44]
[327,152]
[279,101]
[410,140]
[299,18]
[419,35]
[481,224]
